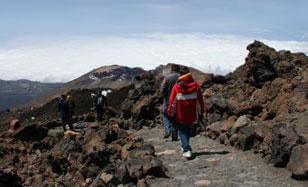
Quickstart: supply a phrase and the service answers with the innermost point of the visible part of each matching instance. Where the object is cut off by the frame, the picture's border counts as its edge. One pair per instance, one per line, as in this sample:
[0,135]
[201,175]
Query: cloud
[52,59]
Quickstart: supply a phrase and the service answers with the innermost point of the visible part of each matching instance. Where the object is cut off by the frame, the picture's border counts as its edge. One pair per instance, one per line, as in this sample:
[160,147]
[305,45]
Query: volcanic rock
[298,164]
[284,139]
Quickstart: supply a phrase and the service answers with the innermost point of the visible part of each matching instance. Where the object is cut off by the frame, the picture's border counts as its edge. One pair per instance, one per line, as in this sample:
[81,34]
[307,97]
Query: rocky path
[213,165]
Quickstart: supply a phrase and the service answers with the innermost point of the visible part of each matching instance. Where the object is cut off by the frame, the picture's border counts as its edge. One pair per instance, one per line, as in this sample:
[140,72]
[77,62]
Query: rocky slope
[261,107]
[113,77]
[97,155]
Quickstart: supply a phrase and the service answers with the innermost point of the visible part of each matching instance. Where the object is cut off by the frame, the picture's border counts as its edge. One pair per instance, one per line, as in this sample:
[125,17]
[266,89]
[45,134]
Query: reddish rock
[227,124]
[14,125]
[214,130]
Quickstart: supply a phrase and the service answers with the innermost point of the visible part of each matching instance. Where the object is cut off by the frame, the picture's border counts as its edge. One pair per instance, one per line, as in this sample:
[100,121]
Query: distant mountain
[114,77]
[13,93]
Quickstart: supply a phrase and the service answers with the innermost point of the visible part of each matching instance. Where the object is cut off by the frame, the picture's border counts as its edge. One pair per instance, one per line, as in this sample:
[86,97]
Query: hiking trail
[213,164]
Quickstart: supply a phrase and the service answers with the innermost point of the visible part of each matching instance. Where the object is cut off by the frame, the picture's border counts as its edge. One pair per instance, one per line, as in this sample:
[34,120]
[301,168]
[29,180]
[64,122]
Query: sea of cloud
[61,59]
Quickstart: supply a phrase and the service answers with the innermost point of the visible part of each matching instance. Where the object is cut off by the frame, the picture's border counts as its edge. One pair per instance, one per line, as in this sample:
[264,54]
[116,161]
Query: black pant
[67,121]
[99,113]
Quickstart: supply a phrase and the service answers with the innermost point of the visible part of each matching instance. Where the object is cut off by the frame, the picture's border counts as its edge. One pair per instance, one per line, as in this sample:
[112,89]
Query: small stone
[241,122]
[88,180]
[106,177]
[202,183]
[166,152]
[141,183]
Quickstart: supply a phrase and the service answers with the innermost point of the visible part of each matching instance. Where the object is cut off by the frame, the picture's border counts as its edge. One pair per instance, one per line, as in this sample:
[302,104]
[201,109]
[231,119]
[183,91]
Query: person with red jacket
[185,105]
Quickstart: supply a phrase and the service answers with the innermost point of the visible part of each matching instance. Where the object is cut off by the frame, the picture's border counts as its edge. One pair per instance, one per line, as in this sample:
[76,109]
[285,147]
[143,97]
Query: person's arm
[172,102]
[164,89]
[200,100]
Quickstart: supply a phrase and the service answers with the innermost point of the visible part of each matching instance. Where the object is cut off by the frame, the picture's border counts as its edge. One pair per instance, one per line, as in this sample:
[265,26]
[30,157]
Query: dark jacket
[167,85]
[71,107]
[100,104]
[64,108]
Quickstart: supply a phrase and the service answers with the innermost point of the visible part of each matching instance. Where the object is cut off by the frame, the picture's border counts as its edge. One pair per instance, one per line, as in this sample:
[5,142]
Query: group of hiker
[66,108]
[183,105]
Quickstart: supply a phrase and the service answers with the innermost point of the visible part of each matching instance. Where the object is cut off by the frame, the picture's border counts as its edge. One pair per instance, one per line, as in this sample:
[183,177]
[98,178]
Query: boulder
[9,179]
[31,133]
[298,164]
[59,165]
[240,123]
[139,168]
[284,139]
[214,130]
[123,175]
[247,138]
[142,152]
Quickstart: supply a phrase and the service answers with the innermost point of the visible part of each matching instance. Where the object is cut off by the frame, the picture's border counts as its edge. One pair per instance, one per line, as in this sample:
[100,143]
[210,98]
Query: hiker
[166,88]
[100,104]
[64,111]
[185,103]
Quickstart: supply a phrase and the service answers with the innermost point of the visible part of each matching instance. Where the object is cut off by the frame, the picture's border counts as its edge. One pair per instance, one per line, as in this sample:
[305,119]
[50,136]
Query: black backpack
[100,101]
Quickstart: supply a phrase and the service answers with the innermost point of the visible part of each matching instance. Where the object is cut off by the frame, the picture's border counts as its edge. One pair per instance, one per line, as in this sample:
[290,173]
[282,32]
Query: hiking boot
[166,135]
[187,154]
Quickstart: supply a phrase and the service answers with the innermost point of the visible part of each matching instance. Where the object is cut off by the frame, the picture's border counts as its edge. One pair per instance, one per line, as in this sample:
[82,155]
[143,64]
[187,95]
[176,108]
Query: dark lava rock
[9,180]
[247,139]
[142,152]
[284,139]
[59,165]
[67,145]
[139,168]
[31,133]
[122,174]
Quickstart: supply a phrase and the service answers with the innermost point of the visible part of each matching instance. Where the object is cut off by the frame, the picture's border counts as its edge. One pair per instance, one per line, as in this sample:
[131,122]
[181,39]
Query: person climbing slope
[100,104]
[64,112]
[185,104]
[166,88]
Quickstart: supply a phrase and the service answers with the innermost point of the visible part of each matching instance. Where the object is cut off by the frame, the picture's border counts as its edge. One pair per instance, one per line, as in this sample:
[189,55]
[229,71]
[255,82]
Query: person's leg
[64,124]
[166,121]
[102,114]
[187,132]
[184,136]
[99,114]
[69,122]
[174,131]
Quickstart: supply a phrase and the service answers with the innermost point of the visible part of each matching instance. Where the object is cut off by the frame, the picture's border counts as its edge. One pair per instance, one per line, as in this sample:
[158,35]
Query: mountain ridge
[17,92]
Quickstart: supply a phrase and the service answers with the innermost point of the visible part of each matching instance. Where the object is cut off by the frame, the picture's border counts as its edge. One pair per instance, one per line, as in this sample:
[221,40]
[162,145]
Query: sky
[59,40]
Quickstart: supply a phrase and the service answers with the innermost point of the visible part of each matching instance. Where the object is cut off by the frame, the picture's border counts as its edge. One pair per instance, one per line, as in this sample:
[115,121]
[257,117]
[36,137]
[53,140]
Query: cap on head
[184,70]
[104,93]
